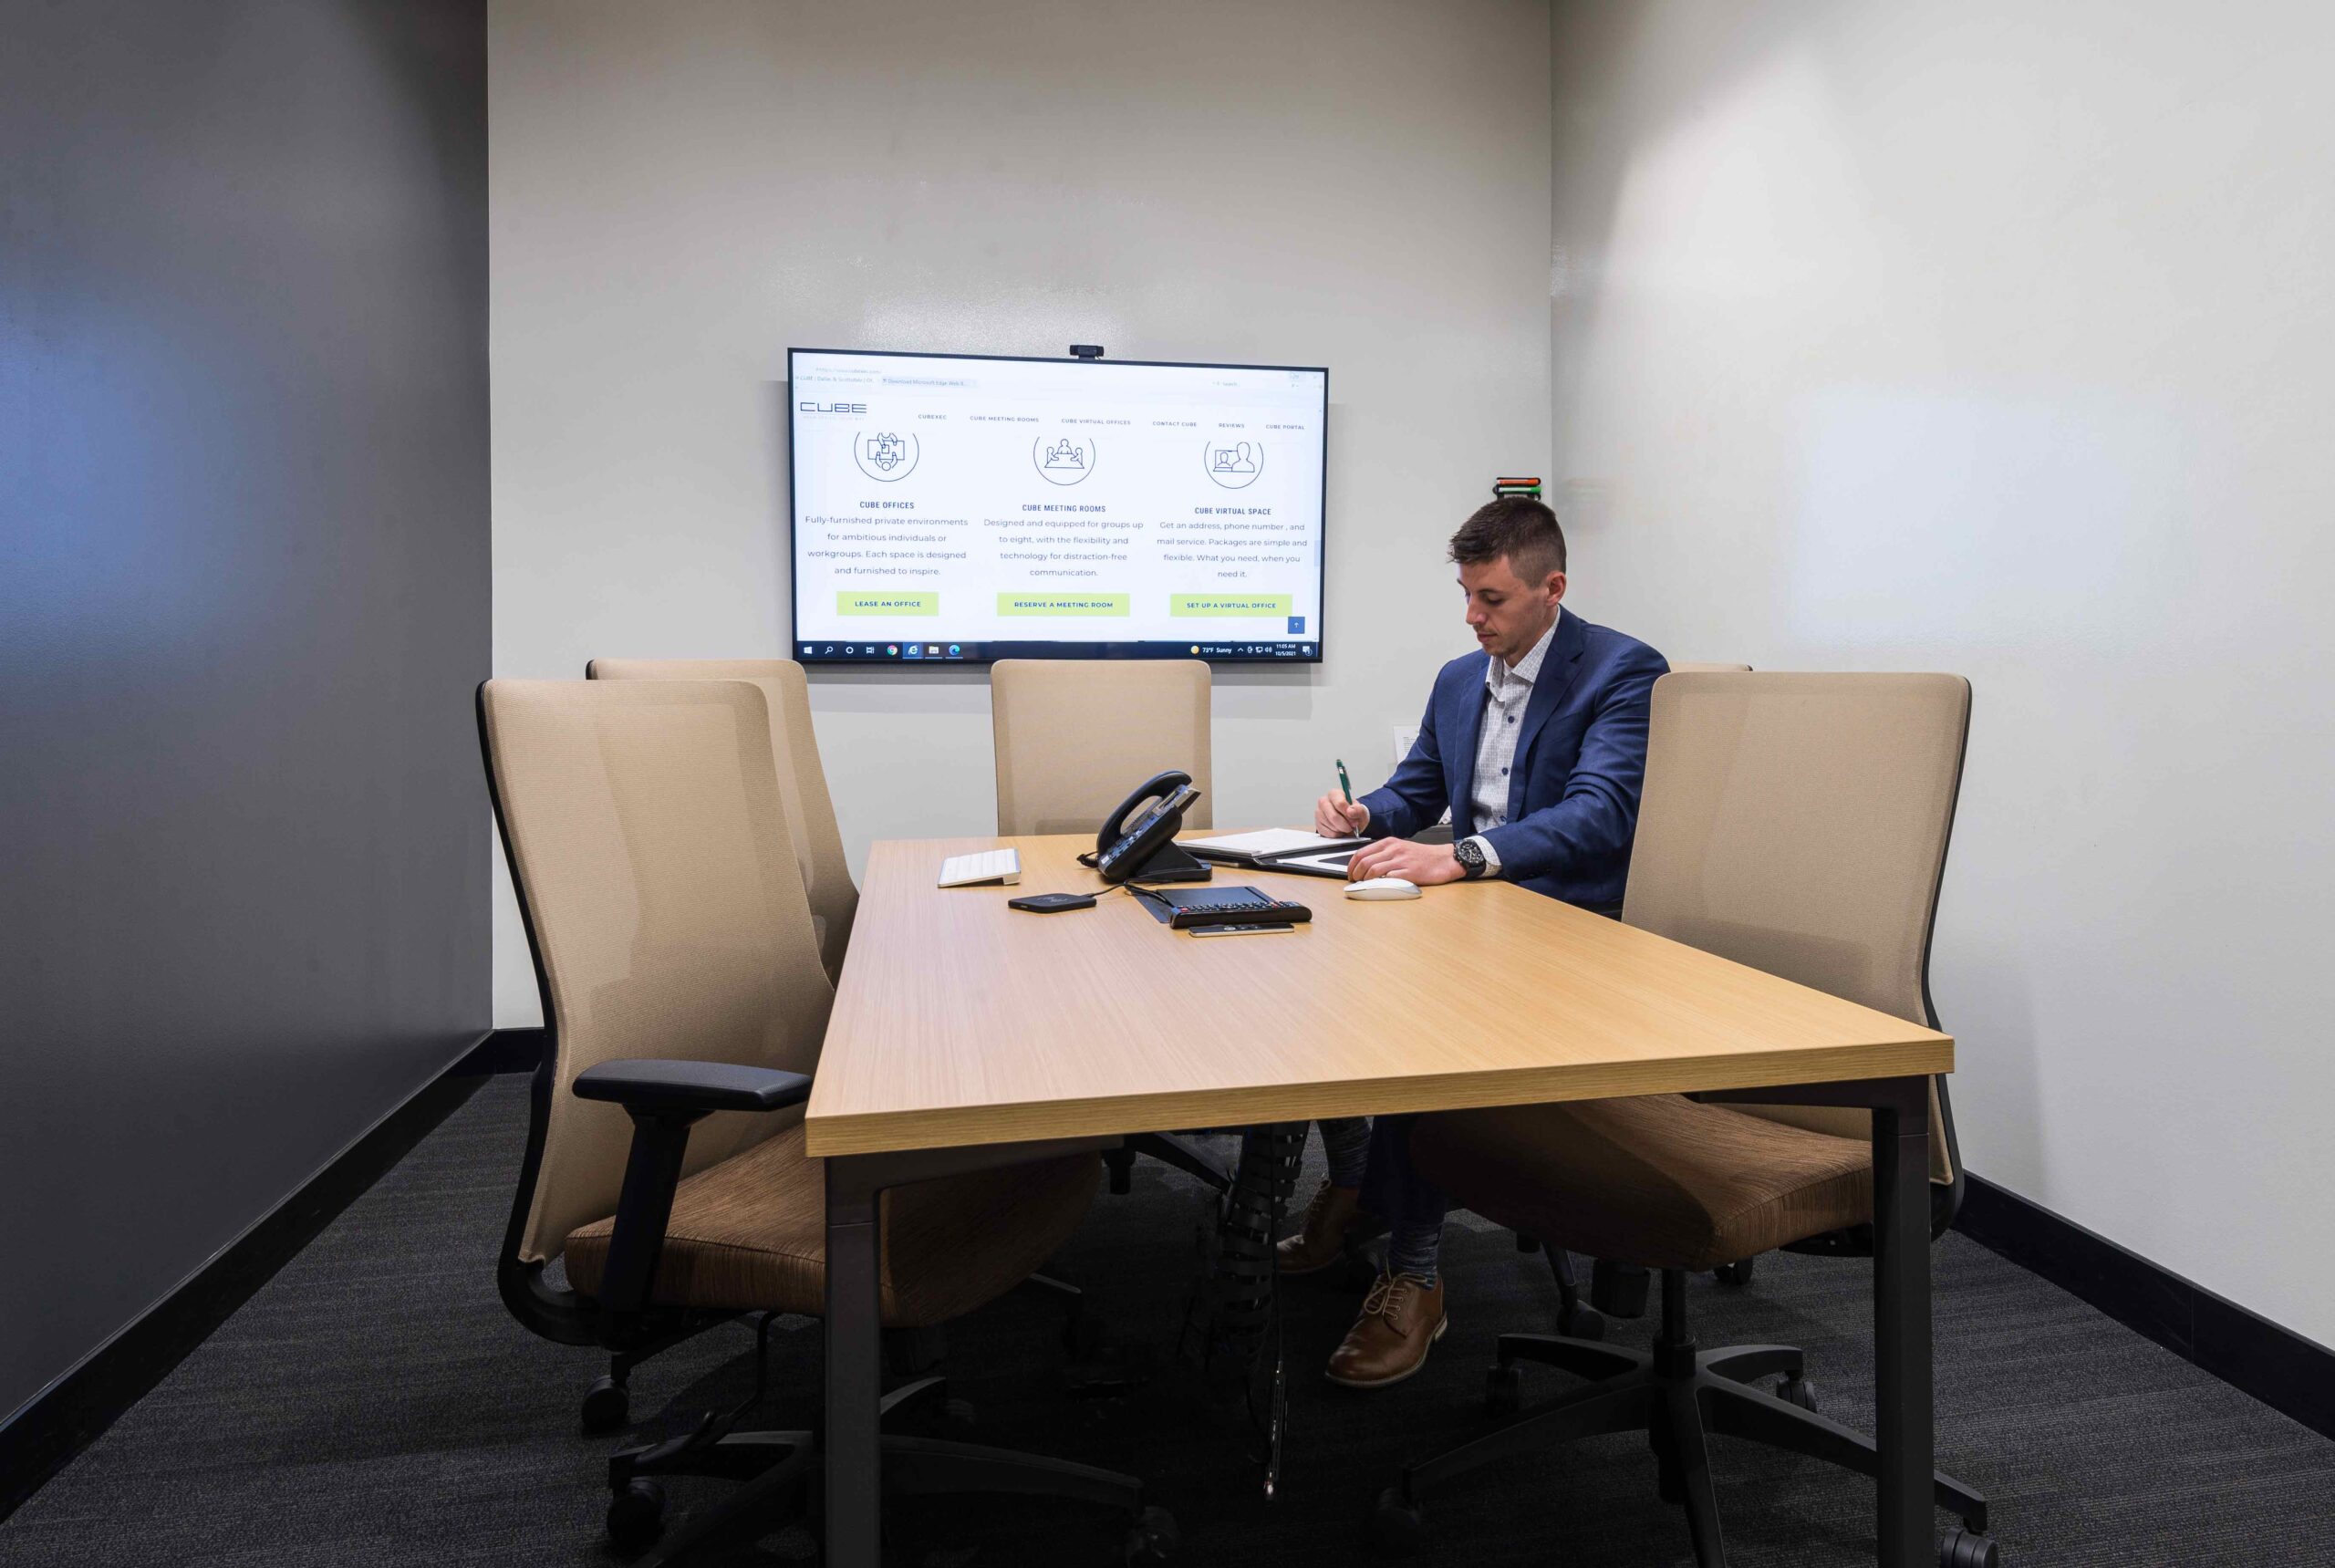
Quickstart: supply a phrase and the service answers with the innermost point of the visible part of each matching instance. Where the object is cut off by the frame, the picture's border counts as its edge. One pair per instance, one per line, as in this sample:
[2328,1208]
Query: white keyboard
[990,865]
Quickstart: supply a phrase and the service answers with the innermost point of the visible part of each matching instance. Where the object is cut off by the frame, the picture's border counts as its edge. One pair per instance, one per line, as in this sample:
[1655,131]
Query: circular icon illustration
[886,455]
[1062,457]
[1234,464]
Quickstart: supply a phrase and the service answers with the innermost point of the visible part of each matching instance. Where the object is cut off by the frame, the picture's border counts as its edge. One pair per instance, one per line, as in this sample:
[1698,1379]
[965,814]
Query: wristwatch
[1470,855]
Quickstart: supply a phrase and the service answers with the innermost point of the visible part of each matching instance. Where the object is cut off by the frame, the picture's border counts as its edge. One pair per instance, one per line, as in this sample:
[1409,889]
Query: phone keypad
[1238,911]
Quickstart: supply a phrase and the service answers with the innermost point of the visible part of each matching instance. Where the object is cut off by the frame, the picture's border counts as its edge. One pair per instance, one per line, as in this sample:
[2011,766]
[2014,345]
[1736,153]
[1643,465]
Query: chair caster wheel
[1152,1540]
[1504,1389]
[1398,1528]
[1581,1320]
[1738,1273]
[605,1405]
[637,1516]
[1968,1549]
[1794,1389]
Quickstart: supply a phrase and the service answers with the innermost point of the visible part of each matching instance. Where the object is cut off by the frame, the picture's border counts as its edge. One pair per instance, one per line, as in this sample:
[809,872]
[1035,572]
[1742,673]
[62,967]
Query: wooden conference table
[965,1033]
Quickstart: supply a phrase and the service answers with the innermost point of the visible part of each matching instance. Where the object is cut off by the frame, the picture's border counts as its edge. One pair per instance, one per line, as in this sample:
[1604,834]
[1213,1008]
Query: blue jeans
[1412,1206]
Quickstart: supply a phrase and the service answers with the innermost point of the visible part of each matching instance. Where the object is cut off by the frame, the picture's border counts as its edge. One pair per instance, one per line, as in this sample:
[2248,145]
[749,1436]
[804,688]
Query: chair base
[1677,1395]
[781,1472]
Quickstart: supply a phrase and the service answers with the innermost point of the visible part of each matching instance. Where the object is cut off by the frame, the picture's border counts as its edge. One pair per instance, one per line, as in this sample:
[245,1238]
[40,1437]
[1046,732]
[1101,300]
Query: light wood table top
[959,1022]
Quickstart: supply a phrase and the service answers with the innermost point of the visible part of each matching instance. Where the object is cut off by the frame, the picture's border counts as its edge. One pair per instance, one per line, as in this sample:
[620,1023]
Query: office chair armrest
[655,1087]
[663,1098]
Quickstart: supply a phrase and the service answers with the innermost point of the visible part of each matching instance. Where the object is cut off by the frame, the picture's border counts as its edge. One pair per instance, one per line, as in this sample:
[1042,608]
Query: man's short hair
[1516,526]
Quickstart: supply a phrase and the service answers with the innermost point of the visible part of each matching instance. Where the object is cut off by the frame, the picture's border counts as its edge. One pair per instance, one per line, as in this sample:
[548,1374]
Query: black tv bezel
[1048,649]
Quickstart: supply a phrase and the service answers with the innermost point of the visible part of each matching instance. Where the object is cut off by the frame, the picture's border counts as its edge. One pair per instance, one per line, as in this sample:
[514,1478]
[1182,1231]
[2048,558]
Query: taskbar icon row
[988,652]
[940,650]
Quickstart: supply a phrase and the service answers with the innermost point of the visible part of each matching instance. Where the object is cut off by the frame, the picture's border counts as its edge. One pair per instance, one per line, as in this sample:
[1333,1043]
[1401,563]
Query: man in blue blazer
[1536,743]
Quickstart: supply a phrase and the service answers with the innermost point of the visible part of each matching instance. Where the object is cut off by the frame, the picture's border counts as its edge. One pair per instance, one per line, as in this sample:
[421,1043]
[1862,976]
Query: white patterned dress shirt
[1507,690]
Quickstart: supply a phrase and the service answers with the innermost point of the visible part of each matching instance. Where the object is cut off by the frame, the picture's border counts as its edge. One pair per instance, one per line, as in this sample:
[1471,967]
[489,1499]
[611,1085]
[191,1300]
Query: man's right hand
[1335,817]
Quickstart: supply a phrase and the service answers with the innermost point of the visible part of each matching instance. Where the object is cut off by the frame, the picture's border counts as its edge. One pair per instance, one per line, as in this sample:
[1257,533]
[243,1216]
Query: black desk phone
[1144,850]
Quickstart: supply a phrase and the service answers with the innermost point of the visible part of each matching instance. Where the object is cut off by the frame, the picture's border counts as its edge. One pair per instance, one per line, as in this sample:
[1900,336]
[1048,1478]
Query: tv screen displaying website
[964,508]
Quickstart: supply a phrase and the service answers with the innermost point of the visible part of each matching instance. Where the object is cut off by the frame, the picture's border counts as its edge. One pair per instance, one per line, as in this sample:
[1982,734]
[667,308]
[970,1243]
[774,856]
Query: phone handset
[1115,828]
[1125,847]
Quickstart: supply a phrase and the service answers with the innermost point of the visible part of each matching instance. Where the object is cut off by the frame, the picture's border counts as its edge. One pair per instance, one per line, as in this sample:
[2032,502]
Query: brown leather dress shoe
[1323,1240]
[1401,1317]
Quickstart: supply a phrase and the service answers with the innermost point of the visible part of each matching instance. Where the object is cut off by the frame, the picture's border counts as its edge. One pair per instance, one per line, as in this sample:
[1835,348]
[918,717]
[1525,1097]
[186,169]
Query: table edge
[885,1132]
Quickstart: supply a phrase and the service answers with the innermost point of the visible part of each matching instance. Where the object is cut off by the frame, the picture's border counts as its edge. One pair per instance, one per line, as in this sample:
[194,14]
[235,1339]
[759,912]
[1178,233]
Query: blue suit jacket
[1573,791]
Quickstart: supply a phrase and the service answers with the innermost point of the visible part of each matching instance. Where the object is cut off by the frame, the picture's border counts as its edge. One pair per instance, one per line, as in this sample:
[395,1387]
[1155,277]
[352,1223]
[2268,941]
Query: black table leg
[852,1442]
[1901,1312]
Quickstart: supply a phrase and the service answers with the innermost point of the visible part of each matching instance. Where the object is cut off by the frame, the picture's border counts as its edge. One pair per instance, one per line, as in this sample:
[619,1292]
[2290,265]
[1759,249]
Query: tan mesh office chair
[1074,735]
[1796,823]
[1617,1288]
[685,1002]
[802,781]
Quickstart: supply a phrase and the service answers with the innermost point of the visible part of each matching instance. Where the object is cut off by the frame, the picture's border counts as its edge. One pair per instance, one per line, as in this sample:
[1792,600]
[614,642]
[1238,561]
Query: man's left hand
[1424,864]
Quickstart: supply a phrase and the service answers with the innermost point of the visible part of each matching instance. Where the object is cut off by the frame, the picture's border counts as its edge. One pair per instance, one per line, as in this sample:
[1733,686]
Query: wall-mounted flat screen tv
[964,508]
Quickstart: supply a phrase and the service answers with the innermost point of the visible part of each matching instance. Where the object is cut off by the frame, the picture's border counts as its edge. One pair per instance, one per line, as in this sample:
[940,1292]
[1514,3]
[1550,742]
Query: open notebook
[1277,849]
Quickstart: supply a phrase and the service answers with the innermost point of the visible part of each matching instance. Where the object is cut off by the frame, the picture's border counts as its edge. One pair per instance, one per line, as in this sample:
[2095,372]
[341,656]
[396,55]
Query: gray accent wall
[244,601]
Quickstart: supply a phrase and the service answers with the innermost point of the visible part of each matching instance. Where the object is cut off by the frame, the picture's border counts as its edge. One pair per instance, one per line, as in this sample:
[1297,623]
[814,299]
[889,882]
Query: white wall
[682,191]
[2000,338]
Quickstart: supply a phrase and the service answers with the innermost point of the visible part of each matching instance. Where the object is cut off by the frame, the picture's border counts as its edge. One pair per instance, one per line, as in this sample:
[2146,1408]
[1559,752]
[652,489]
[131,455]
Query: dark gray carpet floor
[375,1405]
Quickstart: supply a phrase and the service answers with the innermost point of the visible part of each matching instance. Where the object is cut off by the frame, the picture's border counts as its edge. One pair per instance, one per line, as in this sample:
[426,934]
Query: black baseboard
[2293,1376]
[45,1434]
[507,1051]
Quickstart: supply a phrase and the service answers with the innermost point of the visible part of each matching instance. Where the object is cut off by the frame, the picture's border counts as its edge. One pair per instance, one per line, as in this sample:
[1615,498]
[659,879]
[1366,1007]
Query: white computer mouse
[1383,887]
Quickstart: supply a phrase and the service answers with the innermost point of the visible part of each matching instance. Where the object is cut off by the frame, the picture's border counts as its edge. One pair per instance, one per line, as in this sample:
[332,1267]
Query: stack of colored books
[1509,484]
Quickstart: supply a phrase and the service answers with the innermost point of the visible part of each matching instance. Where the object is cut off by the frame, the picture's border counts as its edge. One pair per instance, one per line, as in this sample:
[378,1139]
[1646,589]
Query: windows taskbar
[1291,652]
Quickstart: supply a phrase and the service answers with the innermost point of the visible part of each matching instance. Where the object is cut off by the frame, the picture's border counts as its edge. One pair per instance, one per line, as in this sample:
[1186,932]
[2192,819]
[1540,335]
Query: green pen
[1343,782]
